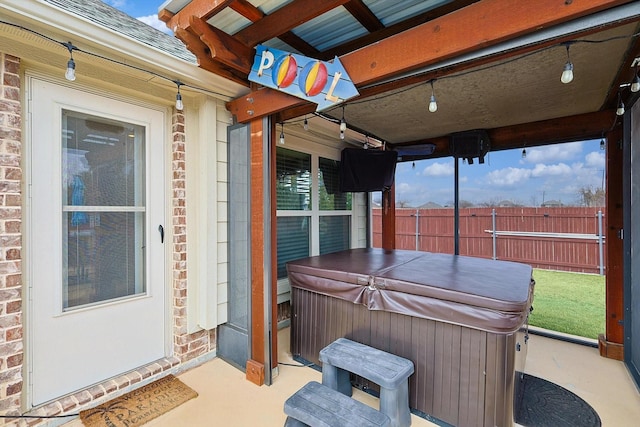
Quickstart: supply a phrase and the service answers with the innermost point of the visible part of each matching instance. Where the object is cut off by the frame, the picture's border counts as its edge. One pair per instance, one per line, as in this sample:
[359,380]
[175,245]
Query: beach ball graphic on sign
[313,78]
[286,70]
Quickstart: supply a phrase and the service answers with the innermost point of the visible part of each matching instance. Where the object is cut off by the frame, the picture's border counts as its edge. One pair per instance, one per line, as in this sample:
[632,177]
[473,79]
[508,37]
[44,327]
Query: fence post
[417,229]
[493,231]
[600,245]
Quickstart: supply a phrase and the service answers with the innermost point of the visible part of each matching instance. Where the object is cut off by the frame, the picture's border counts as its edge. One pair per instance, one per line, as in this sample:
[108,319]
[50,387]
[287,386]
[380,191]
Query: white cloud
[553,153]
[439,170]
[153,21]
[560,169]
[595,159]
[118,4]
[508,177]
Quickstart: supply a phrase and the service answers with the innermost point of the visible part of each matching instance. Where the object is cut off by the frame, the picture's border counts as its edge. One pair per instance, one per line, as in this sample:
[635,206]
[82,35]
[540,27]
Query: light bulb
[433,105]
[567,73]
[281,138]
[70,74]
[602,144]
[341,134]
[343,125]
[524,153]
[620,110]
[635,86]
[306,124]
[179,104]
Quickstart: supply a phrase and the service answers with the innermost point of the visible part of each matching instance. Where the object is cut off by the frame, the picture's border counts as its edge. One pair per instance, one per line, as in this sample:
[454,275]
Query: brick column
[11,322]
[186,346]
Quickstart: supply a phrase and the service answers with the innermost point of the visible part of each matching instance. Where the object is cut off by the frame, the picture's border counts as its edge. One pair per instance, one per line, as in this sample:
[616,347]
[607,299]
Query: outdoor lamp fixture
[567,73]
[433,105]
[179,104]
[620,110]
[343,124]
[70,74]
[635,85]
[281,133]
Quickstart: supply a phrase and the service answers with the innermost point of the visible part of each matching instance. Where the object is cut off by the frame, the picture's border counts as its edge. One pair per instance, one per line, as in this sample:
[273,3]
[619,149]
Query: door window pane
[103,203]
[329,187]
[293,170]
[334,233]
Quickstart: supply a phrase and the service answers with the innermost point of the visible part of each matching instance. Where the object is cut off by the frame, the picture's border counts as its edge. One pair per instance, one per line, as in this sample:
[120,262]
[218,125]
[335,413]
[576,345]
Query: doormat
[547,404]
[139,406]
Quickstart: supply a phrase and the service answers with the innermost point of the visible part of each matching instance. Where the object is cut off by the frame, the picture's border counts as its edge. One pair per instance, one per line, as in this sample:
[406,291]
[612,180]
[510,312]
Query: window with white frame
[314,217]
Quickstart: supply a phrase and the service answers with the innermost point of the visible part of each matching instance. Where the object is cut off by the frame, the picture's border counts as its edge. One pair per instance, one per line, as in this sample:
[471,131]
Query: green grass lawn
[572,303]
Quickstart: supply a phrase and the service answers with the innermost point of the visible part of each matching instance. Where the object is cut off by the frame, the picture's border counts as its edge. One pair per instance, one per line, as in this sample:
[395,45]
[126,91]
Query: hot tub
[461,320]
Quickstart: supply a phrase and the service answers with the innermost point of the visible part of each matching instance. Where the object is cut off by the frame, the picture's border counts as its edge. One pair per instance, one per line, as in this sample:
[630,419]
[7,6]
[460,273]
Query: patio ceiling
[494,64]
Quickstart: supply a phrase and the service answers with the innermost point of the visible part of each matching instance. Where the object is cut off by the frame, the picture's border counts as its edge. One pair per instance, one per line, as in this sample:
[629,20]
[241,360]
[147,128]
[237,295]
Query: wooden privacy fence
[554,238]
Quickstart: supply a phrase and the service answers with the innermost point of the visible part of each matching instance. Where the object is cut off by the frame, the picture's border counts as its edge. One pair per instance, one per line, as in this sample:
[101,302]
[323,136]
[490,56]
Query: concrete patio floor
[226,398]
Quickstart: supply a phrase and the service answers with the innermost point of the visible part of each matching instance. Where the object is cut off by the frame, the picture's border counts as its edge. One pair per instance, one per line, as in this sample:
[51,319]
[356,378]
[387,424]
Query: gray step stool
[389,371]
[319,406]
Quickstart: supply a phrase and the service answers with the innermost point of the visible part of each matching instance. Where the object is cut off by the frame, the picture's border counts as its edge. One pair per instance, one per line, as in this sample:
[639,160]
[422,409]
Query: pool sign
[325,83]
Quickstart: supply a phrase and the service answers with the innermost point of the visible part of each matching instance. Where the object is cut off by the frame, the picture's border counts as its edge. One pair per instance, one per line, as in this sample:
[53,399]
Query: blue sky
[553,172]
[144,10]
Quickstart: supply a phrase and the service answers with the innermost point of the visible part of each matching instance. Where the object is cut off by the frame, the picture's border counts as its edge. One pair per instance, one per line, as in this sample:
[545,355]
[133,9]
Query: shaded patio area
[226,398]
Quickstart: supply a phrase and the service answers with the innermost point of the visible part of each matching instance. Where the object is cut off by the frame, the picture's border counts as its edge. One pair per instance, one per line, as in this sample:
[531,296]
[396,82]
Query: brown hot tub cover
[489,295]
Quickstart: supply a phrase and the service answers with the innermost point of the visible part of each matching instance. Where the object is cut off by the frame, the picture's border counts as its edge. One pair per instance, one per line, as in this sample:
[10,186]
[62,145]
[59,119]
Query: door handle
[161,230]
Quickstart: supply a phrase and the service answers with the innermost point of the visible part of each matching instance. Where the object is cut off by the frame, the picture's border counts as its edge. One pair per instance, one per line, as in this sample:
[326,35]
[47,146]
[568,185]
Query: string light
[602,144]
[524,153]
[620,110]
[567,73]
[70,74]
[179,104]
[282,133]
[433,105]
[343,124]
[635,85]
[306,123]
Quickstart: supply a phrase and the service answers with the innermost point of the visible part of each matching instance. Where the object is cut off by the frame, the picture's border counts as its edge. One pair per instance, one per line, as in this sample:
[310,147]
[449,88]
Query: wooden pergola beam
[201,51]
[544,132]
[203,9]
[285,19]
[223,48]
[478,25]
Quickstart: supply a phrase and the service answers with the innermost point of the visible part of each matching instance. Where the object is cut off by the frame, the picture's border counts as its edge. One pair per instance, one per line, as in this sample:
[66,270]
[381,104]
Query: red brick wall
[11,322]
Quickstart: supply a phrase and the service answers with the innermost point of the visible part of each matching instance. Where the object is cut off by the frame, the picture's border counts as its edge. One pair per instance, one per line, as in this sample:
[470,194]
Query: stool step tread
[319,406]
[385,369]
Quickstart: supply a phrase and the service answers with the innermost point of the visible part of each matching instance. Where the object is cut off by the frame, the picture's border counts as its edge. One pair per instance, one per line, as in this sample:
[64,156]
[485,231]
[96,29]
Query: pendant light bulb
[343,124]
[620,110]
[524,153]
[306,124]
[179,103]
[635,86]
[567,74]
[341,134]
[433,105]
[281,134]
[70,74]
[602,144]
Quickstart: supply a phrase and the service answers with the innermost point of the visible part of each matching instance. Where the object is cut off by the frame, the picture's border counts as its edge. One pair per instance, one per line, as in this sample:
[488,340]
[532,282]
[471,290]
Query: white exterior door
[96,264]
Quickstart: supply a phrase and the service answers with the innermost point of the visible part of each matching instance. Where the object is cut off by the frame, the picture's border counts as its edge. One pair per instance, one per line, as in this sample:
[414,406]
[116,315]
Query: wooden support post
[611,344]
[389,218]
